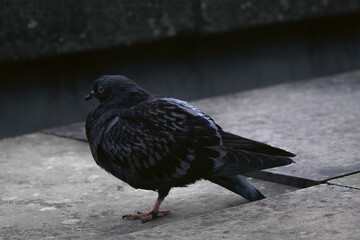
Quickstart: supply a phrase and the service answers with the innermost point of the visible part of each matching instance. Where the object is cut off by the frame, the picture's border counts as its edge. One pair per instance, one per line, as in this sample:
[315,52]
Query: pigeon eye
[100,89]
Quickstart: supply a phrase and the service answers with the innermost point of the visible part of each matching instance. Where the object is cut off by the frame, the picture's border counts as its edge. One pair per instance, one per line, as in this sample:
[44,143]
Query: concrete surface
[320,212]
[56,27]
[51,188]
[317,120]
[352,181]
[74,131]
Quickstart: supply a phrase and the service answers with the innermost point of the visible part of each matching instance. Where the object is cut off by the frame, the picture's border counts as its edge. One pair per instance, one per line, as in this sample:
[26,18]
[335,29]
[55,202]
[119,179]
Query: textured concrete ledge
[74,131]
[352,181]
[51,188]
[317,120]
[36,28]
[320,212]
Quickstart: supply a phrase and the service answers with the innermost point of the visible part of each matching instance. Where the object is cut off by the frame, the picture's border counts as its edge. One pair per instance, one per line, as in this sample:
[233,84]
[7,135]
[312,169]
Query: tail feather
[239,161]
[236,142]
[239,185]
[245,155]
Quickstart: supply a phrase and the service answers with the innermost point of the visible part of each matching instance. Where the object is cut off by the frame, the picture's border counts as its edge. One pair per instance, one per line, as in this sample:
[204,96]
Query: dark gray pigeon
[158,143]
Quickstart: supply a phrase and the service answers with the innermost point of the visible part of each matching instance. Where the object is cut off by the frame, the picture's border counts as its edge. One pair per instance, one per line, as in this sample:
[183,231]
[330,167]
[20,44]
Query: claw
[145,216]
[164,212]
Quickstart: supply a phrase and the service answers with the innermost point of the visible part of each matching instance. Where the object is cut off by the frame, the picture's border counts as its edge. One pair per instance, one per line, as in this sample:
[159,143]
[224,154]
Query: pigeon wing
[161,140]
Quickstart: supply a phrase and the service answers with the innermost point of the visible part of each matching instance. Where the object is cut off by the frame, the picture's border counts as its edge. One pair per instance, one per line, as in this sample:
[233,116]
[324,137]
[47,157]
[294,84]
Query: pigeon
[157,143]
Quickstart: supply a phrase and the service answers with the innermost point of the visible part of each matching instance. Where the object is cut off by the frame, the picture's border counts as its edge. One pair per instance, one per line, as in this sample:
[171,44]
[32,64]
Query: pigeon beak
[88,97]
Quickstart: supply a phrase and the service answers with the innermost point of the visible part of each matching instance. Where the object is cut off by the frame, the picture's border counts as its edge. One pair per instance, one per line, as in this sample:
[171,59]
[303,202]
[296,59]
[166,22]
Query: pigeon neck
[128,101]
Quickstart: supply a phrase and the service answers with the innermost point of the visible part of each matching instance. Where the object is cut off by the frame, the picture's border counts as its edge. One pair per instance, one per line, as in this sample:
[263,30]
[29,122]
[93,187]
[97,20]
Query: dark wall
[49,91]
[35,28]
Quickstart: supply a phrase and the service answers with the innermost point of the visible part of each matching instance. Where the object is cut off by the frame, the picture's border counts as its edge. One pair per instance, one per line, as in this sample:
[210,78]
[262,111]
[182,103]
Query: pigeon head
[117,89]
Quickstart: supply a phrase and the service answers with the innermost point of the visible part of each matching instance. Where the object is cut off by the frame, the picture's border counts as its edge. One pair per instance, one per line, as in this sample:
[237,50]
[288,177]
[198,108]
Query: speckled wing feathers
[163,141]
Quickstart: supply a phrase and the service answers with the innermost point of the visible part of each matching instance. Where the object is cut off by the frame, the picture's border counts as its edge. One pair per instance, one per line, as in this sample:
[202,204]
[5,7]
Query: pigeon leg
[147,216]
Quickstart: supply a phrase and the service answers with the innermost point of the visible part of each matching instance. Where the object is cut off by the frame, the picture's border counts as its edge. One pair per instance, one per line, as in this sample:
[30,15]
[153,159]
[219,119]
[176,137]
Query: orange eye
[100,89]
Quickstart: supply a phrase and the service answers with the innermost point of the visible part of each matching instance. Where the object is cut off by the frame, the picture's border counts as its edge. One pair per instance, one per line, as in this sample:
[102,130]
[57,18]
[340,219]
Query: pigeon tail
[241,161]
[239,185]
[236,142]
